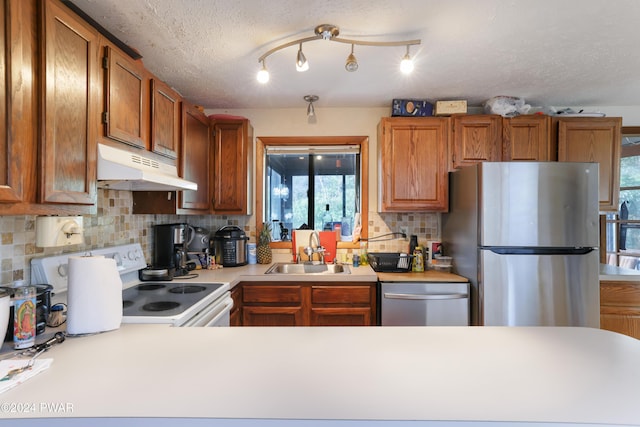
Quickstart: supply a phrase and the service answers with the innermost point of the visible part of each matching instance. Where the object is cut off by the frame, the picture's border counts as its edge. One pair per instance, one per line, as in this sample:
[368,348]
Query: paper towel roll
[94,295]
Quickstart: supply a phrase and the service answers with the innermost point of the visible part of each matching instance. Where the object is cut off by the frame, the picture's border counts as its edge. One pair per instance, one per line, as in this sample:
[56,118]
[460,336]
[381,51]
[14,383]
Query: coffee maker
[170,248]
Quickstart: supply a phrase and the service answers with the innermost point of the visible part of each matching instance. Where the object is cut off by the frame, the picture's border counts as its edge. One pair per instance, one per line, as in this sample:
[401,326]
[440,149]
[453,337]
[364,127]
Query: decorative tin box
[444,108]
[411,108]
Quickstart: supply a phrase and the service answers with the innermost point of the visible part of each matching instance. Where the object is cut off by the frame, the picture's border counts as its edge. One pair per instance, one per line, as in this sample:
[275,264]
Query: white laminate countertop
[614,273]
[415,375]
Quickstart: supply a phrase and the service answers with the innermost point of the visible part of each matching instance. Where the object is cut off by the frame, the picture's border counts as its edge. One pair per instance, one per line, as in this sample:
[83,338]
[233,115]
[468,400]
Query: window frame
[362,141]
[616,221]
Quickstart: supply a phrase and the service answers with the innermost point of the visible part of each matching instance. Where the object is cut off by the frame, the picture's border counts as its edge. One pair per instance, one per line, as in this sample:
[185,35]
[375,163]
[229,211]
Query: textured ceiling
[549,52]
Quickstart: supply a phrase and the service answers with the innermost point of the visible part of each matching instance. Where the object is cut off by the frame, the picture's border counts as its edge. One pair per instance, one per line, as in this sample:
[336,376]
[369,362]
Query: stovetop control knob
[63,270]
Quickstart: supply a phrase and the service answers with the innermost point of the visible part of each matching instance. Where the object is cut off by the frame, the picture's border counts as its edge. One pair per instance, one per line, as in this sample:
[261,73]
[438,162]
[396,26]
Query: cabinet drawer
[341,295]
[267,294]
[620,293]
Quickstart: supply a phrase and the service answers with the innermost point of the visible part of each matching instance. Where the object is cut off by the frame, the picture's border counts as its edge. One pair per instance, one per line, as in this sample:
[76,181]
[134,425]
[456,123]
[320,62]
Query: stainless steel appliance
[230,244]
[175,303]
[424,304]
[526,236]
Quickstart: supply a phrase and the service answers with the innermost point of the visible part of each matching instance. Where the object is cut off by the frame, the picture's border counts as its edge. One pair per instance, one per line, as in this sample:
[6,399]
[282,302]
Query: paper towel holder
[52,231]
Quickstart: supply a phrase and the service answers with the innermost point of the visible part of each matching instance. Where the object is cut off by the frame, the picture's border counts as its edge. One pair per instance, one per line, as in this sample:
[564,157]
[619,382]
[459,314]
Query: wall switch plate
[52,231]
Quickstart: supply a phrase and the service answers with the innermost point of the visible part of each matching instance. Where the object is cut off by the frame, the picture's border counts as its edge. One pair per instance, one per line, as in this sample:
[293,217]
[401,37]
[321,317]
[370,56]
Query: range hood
[122,170]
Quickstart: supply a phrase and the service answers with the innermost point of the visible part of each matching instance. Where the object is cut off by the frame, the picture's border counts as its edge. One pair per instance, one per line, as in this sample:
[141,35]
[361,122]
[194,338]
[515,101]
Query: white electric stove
[178,303]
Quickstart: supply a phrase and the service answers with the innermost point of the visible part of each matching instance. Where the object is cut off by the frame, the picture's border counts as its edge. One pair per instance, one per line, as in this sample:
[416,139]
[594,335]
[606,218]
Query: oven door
[215,314]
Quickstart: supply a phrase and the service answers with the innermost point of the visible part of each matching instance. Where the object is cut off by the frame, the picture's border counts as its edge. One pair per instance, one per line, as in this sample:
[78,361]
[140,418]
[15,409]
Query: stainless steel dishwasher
[424,304]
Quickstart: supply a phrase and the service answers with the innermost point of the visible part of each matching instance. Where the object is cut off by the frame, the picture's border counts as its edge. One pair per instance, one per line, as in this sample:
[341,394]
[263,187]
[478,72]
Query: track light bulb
[301,61]
[311,111]
[263,74]
[406,65]
[352,63]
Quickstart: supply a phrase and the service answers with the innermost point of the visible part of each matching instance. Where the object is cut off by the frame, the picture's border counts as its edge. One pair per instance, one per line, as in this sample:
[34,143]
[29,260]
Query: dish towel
[7,365]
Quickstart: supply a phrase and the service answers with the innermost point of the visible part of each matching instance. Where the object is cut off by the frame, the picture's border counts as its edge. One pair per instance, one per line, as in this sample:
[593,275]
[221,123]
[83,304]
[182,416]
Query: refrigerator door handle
[540,250]
[392,295]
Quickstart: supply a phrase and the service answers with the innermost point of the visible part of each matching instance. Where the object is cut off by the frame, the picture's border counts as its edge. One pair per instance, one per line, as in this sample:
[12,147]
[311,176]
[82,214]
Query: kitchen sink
[291,268]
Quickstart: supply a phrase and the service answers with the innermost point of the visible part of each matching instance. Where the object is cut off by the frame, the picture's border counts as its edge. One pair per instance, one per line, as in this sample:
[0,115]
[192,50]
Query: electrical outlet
[405,231]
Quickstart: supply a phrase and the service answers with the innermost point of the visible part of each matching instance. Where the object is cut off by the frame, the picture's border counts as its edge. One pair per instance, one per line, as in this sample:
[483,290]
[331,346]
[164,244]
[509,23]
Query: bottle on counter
[418,260]
[412,244]
[24,316]
[326,219]
[364,256]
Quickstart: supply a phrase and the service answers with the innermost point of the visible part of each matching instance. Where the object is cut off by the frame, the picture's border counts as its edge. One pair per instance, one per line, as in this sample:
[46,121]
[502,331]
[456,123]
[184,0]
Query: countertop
[255,272]
[613,273]
[279,376]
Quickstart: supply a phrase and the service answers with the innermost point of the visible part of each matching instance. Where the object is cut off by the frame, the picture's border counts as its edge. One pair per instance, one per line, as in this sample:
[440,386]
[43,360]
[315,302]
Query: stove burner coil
[187,289]
[150,287]
[160,306]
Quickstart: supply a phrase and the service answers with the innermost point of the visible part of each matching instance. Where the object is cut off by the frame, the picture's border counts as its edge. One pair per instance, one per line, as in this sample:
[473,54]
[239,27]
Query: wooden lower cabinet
[304,304]
[620,307]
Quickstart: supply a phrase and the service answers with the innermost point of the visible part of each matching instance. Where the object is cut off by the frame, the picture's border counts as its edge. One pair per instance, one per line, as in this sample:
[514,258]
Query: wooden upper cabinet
[594,139]
[70,113]
[476,138]
[232,155]
[195,159]
[16,102]
[165,119]
[126,115]
[413,164]
[527,138]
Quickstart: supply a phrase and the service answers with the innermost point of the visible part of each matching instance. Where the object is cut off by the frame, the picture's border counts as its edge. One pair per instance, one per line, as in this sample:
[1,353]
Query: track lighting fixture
[263,74]
[301,61]
[406,65]
[311,112]
[330,33]
[352,63]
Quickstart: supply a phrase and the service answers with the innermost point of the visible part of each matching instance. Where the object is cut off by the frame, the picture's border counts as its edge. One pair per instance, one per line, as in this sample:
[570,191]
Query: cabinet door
[476,138]
[413,158]
[235,317]
[165,119]
[527,138]
[594,140]
[195,158]
[620,307]
[231,158]
[69,115]
[16,101]
[342,305]
[127,91]
[339,316]
[272,316]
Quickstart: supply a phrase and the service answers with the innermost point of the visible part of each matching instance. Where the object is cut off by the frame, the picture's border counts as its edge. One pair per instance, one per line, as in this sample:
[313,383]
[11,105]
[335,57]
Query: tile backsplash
[114,224]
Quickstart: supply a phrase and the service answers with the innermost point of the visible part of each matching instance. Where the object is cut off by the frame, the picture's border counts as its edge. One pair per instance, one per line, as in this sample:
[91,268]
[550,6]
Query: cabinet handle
[391,295]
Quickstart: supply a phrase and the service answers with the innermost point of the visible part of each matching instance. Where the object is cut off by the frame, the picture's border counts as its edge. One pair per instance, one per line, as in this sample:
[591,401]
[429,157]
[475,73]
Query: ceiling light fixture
[301,61]
[406,65]
[352,63]
[311,112]
[263,74]
[330,33]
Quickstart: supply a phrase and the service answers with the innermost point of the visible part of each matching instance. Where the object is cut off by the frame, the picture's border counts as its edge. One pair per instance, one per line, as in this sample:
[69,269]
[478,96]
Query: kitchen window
[623,227]
[299,177]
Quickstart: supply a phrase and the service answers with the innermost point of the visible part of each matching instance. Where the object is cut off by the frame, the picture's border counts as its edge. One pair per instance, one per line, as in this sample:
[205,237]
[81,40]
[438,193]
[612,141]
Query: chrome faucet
[310,250]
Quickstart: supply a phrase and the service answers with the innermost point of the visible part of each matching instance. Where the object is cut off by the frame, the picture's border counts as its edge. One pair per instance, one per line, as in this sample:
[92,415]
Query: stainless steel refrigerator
[526,236]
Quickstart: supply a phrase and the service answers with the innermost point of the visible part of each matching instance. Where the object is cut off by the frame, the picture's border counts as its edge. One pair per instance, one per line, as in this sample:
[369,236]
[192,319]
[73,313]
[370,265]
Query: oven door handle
[228,305]
[391,295]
